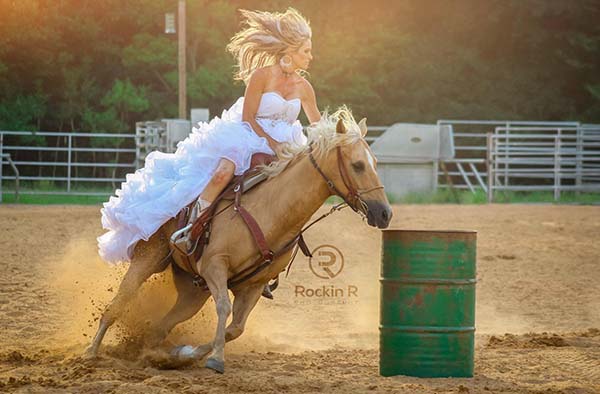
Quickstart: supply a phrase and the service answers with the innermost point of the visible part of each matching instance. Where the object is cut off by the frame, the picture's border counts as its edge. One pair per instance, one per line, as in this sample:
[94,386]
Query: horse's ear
[362,125]
[340,128]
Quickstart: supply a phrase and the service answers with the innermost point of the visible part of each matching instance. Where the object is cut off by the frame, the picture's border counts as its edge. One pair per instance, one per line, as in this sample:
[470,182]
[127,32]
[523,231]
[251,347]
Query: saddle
[201,229]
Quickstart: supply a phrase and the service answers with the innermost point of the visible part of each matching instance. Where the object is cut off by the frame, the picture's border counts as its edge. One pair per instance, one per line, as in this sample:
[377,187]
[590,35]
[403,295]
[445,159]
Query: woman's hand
[275,147]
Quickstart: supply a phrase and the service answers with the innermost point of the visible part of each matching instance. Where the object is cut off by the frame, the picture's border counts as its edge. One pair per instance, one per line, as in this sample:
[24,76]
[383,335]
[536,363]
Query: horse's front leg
[245,300]
[215,275]
[246,297]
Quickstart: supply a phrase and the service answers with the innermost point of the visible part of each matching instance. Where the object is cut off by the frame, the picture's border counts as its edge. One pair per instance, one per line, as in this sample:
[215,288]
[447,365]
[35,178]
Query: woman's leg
[221,178]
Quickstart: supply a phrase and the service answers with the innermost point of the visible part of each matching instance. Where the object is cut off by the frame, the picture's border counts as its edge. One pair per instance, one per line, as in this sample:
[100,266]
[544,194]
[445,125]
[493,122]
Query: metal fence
[6,157]
[82,164]
[65,163]
[554,156]
[519,157]
[543,159]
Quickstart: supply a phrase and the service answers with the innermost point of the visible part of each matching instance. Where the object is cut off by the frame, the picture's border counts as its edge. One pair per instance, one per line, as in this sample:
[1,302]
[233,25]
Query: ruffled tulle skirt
[170,181]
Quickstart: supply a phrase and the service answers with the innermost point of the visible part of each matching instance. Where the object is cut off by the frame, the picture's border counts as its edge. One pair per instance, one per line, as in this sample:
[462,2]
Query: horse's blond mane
[322,136]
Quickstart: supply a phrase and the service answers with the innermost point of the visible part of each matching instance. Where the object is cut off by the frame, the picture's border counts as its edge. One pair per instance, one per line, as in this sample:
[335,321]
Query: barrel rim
[400,230]
[429,281]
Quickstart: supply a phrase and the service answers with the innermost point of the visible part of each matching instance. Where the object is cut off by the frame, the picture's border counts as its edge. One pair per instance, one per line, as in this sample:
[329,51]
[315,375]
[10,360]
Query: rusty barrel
[427,311]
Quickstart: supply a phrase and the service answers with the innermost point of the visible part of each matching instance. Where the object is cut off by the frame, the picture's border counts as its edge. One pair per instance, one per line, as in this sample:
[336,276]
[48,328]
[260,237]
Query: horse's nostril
[384,214]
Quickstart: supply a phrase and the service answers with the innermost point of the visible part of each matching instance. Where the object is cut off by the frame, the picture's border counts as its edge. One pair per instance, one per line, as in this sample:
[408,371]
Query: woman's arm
[252,97]
[309,103]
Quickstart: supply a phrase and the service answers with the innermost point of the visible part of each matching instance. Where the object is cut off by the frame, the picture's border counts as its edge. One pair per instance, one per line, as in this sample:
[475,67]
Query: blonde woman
[271,51]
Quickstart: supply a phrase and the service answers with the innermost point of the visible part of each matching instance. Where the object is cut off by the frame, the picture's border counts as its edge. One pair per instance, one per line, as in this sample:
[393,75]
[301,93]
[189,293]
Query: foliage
[84,65]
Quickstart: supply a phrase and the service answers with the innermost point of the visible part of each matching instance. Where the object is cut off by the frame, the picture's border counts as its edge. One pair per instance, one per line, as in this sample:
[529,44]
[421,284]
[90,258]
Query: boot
[267,292]
[184,242]
[269,287]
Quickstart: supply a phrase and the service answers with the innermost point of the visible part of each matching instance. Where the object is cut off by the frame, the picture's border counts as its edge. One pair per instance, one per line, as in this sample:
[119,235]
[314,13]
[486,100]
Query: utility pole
[182,61]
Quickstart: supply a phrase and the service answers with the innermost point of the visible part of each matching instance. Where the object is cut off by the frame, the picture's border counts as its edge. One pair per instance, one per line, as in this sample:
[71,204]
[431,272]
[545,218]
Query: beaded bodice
[274,107]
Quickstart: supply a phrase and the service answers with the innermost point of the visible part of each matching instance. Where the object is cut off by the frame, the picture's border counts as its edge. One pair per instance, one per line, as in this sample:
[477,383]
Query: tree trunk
[114,172]
[55,156]
[60,126]
[193,52]
[94,167]
[73,145]
[163,82]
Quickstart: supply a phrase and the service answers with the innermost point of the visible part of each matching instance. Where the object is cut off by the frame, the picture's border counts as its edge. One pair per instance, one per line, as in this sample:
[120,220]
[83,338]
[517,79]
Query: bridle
[354,197]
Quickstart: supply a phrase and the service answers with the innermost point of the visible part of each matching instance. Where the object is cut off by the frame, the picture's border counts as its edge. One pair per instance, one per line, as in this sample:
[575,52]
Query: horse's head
[350,169]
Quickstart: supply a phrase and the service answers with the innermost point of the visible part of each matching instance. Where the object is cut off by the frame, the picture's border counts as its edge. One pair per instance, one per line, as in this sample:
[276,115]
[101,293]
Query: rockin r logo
[327,262]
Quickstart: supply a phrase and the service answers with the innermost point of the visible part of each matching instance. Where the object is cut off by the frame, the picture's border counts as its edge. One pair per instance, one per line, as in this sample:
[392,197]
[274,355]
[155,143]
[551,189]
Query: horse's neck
[292,197]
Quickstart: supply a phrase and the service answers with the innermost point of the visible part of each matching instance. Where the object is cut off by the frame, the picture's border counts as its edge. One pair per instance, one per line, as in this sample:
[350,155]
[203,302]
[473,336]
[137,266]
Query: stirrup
[180,239]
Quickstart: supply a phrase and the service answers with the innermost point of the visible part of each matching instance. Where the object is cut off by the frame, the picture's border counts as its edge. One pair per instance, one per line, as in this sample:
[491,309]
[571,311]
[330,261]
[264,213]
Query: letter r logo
[327,262]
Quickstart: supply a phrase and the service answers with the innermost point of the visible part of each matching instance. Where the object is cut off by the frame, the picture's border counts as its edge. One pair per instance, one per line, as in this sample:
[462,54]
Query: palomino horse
[337,160]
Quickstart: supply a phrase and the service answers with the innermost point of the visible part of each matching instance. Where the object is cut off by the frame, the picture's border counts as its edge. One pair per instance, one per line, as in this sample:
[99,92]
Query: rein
[353,199]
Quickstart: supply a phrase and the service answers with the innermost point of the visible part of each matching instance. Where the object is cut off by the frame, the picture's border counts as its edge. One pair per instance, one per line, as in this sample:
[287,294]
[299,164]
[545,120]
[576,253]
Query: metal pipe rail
[65,179]
[472,145]
[68,149]
[522,149]
[527,151]
[521,153]
[62,134]
[68,158]
[504,122]
[6,156]
[65,164]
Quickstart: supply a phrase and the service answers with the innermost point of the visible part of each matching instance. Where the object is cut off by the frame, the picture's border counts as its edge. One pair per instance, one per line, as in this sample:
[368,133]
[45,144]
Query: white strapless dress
[170,181]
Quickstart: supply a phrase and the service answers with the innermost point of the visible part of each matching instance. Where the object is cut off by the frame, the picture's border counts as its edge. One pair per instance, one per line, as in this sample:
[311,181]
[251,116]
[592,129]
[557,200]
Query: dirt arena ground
[538,310]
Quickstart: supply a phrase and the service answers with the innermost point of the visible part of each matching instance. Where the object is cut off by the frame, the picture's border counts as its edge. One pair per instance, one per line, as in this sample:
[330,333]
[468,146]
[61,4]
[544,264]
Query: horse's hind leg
[147,260]
[190,299]
[245,300]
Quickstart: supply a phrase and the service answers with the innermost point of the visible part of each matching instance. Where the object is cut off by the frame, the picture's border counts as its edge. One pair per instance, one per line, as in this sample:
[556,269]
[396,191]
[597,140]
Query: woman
[270,51]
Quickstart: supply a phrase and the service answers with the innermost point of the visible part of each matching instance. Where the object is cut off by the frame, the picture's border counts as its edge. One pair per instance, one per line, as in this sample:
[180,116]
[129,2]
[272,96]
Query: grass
[442,196]
[46,199]
[41,187]
[445,196]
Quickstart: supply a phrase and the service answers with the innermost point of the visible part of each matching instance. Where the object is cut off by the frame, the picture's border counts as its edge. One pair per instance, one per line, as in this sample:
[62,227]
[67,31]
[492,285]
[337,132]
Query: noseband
[354,197]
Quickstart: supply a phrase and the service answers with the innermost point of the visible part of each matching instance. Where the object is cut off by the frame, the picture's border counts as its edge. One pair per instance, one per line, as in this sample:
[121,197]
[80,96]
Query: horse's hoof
[215,365]
[153,338]
[183,352]
[90,354]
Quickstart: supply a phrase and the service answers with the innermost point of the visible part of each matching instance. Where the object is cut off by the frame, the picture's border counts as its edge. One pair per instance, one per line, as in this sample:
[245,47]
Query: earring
[286,66]
[285,63]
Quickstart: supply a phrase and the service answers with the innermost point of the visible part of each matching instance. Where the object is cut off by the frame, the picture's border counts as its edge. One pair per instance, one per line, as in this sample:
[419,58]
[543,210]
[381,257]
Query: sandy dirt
[538,309]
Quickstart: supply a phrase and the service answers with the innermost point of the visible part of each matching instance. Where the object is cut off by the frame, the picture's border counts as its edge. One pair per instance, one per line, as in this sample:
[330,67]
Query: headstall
[354,196]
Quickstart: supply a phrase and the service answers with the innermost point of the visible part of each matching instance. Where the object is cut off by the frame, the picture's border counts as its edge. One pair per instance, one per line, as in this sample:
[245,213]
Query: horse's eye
[359,166]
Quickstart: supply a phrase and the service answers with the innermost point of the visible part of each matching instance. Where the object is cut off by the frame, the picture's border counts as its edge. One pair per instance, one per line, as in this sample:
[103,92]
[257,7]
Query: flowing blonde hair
[266,38]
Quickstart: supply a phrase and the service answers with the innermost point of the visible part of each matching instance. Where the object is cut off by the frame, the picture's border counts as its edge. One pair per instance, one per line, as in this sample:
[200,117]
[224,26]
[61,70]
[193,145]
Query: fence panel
[471,148]
[531,159]
[66,163]
[525,156]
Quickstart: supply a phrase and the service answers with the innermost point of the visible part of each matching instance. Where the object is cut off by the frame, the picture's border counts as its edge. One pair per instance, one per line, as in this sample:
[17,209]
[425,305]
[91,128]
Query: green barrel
[427,313]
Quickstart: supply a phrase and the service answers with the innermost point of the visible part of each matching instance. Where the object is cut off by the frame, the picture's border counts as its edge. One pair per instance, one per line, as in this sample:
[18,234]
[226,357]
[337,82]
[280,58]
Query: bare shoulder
[260,74]
[306,87]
